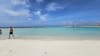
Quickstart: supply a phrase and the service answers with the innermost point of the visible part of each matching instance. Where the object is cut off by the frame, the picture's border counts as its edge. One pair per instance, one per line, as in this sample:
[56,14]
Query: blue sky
[49,12]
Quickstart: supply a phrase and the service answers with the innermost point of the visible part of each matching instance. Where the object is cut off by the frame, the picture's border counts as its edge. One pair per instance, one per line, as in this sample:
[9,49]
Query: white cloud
[37,12]
[42,17]
[16,2]
[17,13]
[6,8]
[54,6]
[39,1]
[29,19]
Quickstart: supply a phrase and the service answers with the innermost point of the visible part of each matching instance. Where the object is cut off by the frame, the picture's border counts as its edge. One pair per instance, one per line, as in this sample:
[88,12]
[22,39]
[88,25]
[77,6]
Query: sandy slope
[18,47]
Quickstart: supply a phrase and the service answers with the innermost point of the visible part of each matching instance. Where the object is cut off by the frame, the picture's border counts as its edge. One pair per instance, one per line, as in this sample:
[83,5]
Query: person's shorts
[11,33]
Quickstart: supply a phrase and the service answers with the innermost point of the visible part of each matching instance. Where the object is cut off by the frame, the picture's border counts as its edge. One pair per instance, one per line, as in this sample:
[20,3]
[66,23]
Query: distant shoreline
[83,26]
[56,26]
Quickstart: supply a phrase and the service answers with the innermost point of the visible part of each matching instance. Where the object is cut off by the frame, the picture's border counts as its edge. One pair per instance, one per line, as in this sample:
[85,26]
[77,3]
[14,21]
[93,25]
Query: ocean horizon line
[54,26]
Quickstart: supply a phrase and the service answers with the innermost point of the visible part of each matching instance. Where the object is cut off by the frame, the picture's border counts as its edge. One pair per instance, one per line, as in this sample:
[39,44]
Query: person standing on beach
[10,33]
[0,33]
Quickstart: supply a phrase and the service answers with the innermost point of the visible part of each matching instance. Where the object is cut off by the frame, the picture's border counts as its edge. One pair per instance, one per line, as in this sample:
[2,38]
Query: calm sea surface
[62,32]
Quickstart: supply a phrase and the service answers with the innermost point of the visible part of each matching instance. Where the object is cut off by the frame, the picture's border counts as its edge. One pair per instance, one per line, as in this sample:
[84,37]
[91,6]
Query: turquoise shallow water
[65,32]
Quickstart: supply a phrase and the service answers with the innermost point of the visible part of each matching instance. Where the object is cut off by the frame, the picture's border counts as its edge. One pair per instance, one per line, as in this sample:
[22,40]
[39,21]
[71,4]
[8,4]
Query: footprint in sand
[45,52]
[10,52]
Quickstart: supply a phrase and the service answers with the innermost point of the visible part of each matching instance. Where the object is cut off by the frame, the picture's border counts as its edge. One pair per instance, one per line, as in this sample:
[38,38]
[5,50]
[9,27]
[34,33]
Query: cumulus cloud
[23,12]
[14,12]
[54,6]
[39,1]
[41,16]
[37,12]
[7,8]
[16,2]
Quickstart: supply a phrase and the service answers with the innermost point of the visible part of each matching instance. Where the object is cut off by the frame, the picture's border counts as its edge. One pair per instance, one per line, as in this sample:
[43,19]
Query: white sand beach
[18,47]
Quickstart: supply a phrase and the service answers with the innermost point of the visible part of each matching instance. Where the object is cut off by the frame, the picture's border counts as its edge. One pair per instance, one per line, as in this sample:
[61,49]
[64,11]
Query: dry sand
[18,47]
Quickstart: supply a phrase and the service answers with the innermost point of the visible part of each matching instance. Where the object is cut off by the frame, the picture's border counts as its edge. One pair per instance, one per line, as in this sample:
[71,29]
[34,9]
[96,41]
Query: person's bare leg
[9,36]
[0,36]
[12,36]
